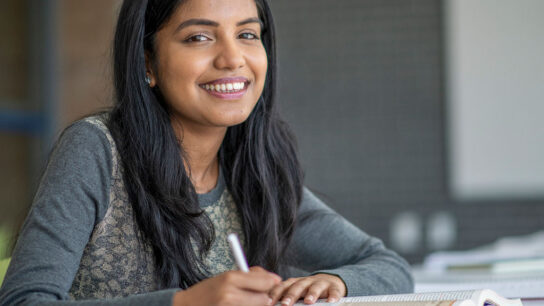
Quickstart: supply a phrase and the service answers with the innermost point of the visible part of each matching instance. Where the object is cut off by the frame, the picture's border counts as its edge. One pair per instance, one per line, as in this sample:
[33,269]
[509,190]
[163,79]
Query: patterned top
[116,264]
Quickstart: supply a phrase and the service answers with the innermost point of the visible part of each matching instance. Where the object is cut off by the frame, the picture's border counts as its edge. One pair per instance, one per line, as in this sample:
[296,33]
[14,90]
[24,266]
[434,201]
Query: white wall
[495,95]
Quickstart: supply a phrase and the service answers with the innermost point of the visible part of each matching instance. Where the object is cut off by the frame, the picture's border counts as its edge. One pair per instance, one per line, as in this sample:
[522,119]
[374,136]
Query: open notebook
[448,298]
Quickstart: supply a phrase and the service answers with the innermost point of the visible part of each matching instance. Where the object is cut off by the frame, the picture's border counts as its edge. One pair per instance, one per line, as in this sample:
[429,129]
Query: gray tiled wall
[361,82]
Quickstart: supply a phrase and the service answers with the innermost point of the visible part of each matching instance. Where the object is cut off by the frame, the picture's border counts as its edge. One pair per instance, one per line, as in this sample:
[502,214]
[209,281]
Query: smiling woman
[222,51]
[136,203]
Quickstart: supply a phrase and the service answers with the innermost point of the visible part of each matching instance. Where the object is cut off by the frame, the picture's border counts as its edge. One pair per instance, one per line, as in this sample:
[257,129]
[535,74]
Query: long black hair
[258,158]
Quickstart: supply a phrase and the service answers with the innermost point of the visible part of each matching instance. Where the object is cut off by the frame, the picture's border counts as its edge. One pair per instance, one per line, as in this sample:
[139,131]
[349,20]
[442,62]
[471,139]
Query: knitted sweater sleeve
[73,196]
[325,242]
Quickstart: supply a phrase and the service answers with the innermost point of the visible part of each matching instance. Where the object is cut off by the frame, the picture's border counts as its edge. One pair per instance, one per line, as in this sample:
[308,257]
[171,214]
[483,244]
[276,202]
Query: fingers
[310,288]
[335,294]
[257,269]
[297,290]
[250,298]
[257,279]
[277,292]
[316,290]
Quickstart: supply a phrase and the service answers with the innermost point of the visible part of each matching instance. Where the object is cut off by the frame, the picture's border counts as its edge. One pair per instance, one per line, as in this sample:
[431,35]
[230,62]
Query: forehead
[216,10]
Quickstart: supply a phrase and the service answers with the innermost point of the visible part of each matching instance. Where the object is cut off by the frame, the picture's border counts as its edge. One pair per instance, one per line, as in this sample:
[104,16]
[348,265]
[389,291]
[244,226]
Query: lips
[227,88]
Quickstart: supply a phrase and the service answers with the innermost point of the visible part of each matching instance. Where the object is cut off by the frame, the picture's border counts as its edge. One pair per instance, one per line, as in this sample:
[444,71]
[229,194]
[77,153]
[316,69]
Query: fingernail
[269,302]
[309,298]
[286,301]
[332,300]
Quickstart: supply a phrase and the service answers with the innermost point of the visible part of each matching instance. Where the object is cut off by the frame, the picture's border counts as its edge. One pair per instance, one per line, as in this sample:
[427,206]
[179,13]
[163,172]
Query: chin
[235,121]
[233,118]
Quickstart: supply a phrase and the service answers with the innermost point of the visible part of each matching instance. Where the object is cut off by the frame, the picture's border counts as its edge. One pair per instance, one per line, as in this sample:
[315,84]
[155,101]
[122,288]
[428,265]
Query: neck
[201,146]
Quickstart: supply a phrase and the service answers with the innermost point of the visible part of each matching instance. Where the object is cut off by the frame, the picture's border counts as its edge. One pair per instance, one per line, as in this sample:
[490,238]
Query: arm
[72,197]
[325,242]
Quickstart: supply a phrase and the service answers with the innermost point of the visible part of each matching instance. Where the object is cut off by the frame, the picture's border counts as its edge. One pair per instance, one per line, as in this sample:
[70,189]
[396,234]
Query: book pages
[446,298]
[426,303]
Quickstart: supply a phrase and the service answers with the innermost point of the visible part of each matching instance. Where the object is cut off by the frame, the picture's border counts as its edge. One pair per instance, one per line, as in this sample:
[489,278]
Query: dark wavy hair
[258,158]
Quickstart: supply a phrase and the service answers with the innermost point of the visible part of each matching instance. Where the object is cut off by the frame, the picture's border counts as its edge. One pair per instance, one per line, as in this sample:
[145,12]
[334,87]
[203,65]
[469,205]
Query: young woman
[135,204]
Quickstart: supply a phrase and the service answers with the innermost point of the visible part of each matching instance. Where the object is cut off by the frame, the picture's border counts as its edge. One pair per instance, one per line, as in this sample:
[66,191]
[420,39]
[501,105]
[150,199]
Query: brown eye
[197,38]
[249,36]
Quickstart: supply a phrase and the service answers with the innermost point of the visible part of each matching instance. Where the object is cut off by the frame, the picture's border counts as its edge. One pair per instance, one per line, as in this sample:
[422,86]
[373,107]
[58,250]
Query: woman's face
[209,62]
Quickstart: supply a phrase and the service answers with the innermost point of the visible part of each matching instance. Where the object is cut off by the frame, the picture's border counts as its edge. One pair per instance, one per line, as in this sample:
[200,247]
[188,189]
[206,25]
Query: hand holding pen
[247,286]
[308,288]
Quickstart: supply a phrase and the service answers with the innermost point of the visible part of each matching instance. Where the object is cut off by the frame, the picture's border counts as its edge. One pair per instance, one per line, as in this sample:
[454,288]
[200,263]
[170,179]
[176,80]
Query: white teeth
[228,87]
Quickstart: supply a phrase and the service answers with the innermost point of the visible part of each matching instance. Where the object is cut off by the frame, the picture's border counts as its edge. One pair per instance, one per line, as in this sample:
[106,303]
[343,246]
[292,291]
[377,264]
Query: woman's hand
[231,288]
[310,288]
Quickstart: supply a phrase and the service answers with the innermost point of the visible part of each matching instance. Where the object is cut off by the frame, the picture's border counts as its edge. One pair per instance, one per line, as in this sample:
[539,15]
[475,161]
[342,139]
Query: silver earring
[147,79]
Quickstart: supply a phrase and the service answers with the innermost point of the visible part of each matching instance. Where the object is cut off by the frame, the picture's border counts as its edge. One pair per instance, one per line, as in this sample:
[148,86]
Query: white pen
[236,249]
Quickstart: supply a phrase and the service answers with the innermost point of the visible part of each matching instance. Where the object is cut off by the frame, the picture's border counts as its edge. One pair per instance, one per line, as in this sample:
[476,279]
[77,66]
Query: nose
[229,56]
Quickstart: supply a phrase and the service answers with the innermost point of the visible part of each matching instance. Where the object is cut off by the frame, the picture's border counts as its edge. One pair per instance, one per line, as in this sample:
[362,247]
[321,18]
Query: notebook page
[413,303]
[427,296]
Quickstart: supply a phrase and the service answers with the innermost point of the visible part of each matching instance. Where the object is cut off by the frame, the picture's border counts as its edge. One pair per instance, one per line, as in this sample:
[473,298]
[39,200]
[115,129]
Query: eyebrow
[211,23]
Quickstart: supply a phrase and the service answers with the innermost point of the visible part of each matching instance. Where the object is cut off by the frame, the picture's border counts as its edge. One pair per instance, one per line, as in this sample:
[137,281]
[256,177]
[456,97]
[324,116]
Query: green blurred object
[4,246]
[4,242]
[4,263]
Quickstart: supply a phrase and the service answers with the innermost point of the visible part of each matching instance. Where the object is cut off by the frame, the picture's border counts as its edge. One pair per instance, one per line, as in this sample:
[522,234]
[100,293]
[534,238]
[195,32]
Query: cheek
[178,69]
[181,67]
[260,66]
[263,62]
[178,80]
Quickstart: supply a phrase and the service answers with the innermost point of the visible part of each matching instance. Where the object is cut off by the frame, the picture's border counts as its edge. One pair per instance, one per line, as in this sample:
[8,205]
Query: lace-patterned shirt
[115,263]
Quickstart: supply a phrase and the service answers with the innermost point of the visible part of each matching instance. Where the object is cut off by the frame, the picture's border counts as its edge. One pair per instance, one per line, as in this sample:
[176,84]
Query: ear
[149,71]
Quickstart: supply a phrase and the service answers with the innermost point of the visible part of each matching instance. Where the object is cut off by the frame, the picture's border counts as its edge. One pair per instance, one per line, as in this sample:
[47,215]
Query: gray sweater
[79,244]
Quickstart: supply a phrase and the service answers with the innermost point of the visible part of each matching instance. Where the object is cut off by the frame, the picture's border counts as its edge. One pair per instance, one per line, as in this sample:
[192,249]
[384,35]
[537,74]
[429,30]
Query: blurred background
[418,120]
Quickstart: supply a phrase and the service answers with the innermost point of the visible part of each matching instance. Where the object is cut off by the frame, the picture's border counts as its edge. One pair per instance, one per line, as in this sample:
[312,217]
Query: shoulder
[311,202]
[86,140]
[88,131]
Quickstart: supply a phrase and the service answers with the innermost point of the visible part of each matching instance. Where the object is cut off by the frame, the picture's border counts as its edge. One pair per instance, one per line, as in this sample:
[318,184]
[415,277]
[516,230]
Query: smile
[227,88]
